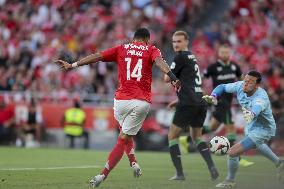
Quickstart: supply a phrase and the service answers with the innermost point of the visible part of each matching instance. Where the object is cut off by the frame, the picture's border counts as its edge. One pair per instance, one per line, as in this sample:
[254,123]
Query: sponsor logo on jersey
[138,47]
[192,57]
[133,52]
[219,68]
[226,76]
[173,65]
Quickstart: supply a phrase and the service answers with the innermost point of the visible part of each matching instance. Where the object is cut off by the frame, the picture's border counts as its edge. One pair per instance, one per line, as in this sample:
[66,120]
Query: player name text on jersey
[133,52]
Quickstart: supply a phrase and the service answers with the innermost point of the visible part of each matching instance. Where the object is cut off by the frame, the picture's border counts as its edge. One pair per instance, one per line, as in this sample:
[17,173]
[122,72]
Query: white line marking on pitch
[49,168]
[95,166]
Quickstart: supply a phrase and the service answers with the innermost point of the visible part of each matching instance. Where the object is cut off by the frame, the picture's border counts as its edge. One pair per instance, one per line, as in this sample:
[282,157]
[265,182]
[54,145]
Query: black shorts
[193,116]
[223,114]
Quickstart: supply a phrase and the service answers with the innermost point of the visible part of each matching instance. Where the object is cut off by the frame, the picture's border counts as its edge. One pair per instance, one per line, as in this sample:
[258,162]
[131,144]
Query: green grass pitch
[72,169]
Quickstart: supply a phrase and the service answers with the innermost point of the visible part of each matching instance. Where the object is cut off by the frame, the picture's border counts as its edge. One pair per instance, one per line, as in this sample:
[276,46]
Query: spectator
[31,127]
[33,32]
[7,122]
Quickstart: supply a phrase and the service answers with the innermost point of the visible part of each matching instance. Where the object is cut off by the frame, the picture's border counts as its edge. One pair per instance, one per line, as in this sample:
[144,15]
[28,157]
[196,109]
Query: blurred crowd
[35,32]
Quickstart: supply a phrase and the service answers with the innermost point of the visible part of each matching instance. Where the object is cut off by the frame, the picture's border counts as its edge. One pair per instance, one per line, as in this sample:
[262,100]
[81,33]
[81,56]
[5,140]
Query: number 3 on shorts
[136,73]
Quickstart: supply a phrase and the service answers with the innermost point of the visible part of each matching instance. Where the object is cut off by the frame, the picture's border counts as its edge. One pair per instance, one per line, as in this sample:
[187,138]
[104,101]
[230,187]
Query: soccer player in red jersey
[133,96]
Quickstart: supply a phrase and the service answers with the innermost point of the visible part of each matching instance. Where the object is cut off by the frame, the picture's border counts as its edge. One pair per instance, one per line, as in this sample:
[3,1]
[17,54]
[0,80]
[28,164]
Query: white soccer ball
[219,145]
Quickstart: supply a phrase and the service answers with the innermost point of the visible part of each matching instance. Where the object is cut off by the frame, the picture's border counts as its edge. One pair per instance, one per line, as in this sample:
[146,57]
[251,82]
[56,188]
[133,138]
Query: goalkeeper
[260,127]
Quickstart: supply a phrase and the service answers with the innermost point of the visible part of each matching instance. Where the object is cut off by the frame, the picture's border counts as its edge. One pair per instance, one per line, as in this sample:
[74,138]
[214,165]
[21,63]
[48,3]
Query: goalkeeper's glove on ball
[210,99]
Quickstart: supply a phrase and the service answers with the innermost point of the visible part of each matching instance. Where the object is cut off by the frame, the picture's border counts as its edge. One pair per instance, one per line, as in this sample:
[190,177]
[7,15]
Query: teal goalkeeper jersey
[258,103]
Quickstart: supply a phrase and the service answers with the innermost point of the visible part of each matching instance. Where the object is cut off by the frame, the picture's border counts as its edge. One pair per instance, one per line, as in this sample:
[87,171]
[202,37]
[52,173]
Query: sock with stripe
[204,151]
[232,138]
[114,157]
[129,150]
[176,156]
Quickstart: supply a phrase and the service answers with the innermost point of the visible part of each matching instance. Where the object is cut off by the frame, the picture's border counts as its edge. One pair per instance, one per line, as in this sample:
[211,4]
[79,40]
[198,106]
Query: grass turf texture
[72,169]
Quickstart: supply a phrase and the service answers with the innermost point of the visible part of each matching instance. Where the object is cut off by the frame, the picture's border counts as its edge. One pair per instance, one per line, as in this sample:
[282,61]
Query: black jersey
[222,73]
[186,69]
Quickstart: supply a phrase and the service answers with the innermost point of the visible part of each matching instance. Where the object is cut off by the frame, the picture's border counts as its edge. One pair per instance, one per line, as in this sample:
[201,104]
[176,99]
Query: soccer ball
[219,145]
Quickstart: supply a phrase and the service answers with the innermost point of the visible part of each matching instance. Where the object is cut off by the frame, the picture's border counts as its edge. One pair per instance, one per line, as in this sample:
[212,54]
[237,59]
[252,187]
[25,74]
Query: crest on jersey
[219,68]
[173,65]
[233,67]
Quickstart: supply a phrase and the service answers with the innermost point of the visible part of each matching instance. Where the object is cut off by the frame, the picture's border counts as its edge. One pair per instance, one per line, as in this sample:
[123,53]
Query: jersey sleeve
[259,104]
[208,72]
[228,88]
[177,64]
[238,71]
[110,55]
[155,53]
[232,87]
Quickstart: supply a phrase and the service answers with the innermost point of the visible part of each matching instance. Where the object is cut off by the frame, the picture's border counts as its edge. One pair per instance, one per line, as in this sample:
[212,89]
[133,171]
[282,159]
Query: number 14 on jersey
[136,72]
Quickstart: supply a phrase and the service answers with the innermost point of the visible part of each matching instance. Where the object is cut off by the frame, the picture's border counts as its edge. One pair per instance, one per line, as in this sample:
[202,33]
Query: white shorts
[130,114]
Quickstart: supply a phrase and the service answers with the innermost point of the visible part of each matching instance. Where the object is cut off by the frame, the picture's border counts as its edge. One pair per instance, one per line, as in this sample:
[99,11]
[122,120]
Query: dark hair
[182,33]
[255,74]
[77,104]
[141,33]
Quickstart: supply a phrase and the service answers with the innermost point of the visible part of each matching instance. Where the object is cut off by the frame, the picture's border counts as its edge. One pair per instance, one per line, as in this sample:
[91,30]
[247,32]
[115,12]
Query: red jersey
[6,113]
[135,61]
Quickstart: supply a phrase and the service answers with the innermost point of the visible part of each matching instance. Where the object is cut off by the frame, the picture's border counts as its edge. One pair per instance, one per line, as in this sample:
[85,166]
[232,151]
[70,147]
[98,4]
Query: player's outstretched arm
[212,98]
[219,90]
[93,58]
[164,67]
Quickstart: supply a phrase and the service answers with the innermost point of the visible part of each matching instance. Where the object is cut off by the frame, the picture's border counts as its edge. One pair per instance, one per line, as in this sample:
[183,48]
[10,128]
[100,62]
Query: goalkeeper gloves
[248,115]
[210,99]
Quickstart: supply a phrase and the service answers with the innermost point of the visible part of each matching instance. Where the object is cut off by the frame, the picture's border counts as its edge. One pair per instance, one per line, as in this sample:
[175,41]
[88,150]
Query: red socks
[122,145]
[129,150]
[114,157]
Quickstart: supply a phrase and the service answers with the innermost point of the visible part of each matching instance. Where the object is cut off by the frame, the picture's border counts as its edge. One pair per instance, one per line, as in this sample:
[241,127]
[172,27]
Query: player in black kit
[190,107]
[224,71]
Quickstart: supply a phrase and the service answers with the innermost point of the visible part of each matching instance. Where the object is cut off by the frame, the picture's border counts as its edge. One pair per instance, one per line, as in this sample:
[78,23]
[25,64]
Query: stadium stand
[35,32]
